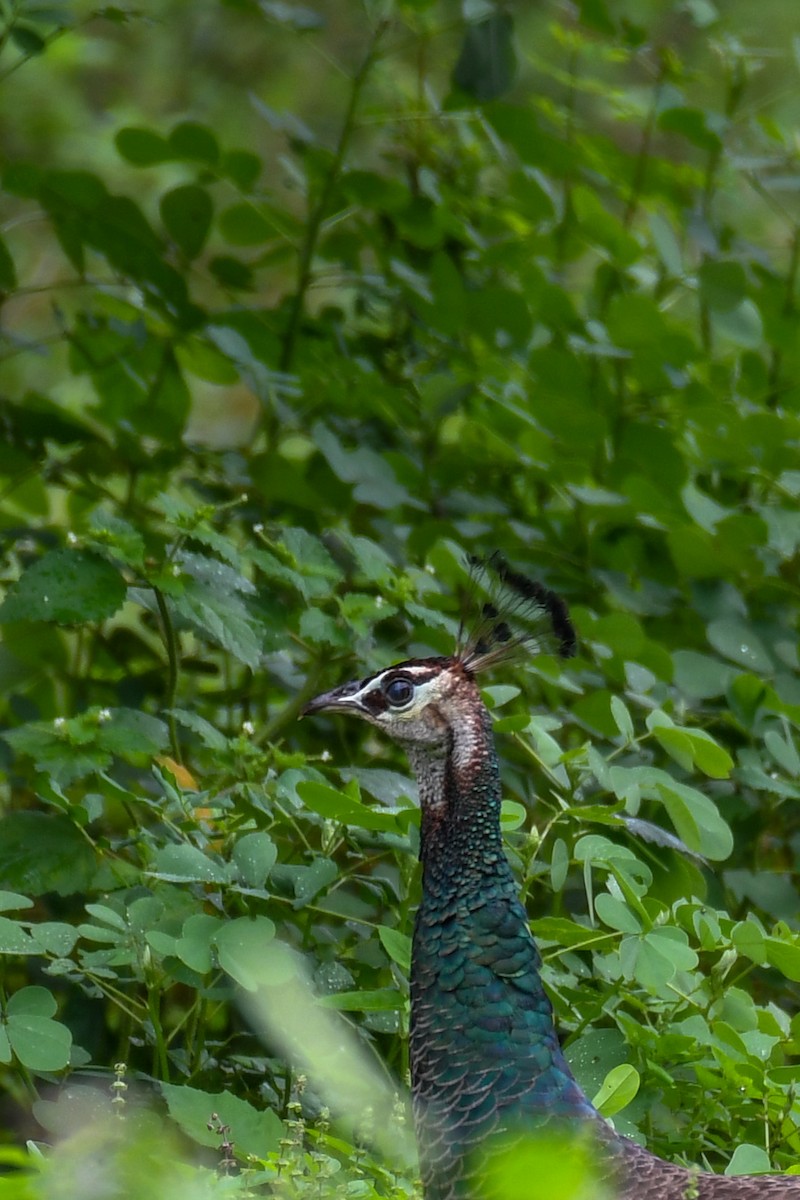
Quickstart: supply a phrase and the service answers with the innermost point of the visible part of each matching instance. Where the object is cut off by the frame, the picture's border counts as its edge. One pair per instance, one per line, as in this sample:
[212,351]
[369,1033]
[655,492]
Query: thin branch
[317,214]
[171,644]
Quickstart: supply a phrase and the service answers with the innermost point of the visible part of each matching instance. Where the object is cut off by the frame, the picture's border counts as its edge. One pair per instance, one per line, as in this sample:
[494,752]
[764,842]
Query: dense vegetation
[450,279]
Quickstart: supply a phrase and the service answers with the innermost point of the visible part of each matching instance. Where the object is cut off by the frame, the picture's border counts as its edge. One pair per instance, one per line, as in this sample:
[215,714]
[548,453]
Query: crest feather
[520,614]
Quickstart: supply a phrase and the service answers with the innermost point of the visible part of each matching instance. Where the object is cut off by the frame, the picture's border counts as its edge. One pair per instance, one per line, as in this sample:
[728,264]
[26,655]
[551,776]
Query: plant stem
[171,644]
[319,210]
[161,1063]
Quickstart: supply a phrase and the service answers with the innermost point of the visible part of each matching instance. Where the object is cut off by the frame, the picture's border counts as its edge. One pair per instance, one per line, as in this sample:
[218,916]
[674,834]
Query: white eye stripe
[374,694]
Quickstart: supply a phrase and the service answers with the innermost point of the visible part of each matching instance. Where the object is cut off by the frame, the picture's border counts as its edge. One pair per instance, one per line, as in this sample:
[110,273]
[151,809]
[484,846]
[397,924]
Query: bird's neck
[479,1010]
[459,787]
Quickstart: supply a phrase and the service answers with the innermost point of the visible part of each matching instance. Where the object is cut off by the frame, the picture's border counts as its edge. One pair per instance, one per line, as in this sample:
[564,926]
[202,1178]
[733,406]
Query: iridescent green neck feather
[484,1051]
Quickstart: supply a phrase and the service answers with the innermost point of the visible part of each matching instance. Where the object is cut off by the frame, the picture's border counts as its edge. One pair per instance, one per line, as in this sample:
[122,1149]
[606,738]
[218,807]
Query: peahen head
[416,702]
[432,706]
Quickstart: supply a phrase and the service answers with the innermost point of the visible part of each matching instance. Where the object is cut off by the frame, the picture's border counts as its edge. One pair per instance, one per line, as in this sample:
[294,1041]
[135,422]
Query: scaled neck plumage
[459,790]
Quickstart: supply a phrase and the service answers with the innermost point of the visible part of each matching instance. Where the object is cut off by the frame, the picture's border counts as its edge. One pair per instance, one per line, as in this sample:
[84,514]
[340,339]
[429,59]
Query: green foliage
[522,279]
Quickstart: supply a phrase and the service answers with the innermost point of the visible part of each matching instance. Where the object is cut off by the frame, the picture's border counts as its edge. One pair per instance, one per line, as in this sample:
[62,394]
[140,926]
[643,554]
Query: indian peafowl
[485,1055]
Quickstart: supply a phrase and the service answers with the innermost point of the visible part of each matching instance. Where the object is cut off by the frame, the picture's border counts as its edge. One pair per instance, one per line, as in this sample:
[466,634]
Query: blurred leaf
[142,147]
[240,948]
[187,212]
[8,274]
[65,585]
[44,853]
[252,1131]
[487,63]
[188,140]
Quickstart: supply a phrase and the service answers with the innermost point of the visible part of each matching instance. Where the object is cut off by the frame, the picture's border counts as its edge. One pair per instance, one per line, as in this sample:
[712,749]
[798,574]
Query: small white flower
[326,756]
[72,538]
[248,727]
[59,723]
[379,601]
[258,528]
[104,715]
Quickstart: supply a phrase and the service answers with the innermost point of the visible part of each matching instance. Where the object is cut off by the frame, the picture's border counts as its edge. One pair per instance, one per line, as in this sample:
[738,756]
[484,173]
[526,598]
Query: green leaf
[187,212]
[615,914]
[69,586]
[381,1000]
[748,1159]
[700,676]
[749,939]
[487,63]
[785,956]
[54,937]
[27,40]
[39,1043]
[231,272]
[128,732]
[622,718]
[512,814]
[784,751]
[9,901]
[666,244]
[563,931]
[678,745]
[559,864]
[723,285]
[690,746]
[194,946]
[342,807]
[14,939]
[254,856]
[739,642]
[655,957]
[243,167]
[240,948]
[244,225]
[691,123]
[185,864]
[397,945]
[251,1131]
[741,325]
[194,142]
[712,759]
[308,881]
[142,147]
[32,1001]
[696,819]
[108,916]
[619,1087]
[223,617]
[44,852]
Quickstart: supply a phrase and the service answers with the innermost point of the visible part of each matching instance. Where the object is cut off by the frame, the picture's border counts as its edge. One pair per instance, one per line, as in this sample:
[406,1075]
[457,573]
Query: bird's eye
[399,692]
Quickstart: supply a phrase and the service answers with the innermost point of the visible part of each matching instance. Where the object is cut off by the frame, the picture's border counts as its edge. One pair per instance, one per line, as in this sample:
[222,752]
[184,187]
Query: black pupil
[399,691]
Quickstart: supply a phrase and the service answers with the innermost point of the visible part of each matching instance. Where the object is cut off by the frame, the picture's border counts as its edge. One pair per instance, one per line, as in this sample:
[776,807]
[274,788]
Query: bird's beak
[340,699]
